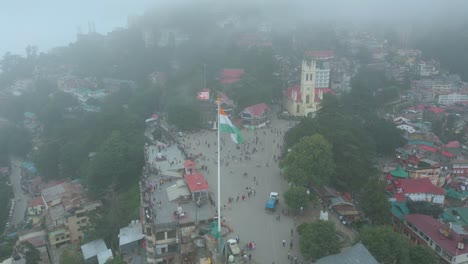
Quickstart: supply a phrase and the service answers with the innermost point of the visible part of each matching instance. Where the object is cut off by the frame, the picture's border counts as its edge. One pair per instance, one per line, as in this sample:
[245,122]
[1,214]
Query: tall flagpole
[219,173]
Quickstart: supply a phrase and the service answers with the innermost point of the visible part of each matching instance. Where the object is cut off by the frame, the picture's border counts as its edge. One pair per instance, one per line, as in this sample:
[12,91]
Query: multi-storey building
[172,211]
[304,99]
[68,212]
[452,98]
[447,240]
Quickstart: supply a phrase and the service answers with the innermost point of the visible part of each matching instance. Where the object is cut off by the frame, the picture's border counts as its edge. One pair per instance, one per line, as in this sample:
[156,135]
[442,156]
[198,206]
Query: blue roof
[29,115]
[29,166]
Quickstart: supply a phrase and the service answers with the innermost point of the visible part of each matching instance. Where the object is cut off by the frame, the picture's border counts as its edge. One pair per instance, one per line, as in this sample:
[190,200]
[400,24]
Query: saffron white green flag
[226,126]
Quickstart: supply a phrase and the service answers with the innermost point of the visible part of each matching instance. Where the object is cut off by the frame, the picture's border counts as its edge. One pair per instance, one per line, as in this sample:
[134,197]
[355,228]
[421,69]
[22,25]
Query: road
[248,218]
[21,199]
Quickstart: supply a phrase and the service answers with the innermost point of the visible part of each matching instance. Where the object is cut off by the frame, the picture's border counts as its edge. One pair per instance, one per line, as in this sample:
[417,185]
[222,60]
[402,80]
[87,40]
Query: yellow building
[59,236]
[36,209]
[304,99]
[76,222]
[432,174]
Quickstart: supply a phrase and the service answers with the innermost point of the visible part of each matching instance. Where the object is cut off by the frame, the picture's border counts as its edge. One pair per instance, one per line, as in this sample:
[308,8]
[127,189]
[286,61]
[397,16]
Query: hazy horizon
[50,23]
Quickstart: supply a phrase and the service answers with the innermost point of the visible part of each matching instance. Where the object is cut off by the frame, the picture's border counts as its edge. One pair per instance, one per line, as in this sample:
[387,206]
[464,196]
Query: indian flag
[226,126]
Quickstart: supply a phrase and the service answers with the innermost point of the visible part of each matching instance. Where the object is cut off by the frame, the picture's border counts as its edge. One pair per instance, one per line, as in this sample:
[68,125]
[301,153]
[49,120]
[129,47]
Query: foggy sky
[50,23]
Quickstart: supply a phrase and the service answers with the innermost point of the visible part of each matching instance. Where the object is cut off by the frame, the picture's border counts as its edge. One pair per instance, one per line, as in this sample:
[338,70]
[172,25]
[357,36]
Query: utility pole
[204,73]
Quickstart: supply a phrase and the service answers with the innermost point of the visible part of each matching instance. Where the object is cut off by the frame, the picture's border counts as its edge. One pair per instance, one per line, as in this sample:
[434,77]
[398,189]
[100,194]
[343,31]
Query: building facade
[299,100]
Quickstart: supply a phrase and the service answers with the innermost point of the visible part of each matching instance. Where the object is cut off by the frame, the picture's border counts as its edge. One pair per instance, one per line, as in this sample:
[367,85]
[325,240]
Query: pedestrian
[289,254]
[284,243]
[295,260]
[292,232]
[250,256]
[290,245]
[279,216]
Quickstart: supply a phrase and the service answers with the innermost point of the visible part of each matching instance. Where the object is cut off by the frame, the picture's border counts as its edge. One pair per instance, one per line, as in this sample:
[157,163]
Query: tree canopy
[310,162]
[318,239]
[374,202]
[296,197]
[390,247]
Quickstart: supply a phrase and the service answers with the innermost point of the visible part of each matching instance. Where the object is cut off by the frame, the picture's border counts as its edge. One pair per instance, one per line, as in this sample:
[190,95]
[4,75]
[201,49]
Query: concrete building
[433,174]
[68,212]
[93,249]
[175,209]
[447,240]
[130,236]
[304,99]
[452,98]
[352,255]
[407,128]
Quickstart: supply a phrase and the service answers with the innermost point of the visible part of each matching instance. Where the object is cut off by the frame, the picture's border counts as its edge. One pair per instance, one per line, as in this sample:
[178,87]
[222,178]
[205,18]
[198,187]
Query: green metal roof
[449,192]
[450,215]
[399,209]
[399,172]
[420,142]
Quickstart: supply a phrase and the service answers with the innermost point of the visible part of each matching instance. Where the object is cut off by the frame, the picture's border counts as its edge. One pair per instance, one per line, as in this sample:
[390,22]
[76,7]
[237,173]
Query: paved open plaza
[251,165]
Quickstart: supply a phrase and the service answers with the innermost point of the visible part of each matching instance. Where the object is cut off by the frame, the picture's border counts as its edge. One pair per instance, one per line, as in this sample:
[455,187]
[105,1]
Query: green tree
[185,116]
[422,255]
[116,260]
[310,161]
[375,203]
[71,257]
[31,254]
[117,162]
[46,159]
[386,136]
[386,245]
[318,239]
[296,197]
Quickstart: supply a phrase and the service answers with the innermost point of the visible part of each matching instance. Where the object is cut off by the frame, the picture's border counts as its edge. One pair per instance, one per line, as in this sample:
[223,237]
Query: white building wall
[448,99]
[426,197]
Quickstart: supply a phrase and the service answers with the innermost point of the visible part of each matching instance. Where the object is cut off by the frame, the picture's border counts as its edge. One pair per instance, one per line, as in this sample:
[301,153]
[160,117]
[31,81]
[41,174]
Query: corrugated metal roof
[93,248]
[357,254]
[178,190]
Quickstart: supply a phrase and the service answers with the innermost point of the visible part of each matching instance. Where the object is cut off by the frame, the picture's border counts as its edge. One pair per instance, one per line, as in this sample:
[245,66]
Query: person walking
[289,254]
[292,231]
[290,245]
[284,243]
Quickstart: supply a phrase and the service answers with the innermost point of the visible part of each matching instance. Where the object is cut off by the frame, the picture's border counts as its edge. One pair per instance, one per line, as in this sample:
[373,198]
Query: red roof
[4,170]
[196,182]
[418,107]
[320,54]
[229,76]
[410,186]
[189,163]
[324,91]
[232,72]
[436,110]
[257,110]
[431,227]
[36,201]
[431,149]
[447,154]
[452,144]
[294,93]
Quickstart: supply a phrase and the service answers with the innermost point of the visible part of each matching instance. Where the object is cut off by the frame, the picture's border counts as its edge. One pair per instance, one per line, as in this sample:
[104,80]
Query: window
[297,109]
[307,76]
[307,99]
[171,234]
[160,236]
[57,239]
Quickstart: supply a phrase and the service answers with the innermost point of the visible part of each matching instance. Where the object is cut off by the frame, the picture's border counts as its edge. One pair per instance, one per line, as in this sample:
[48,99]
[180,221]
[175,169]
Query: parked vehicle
[233,248]
[272,202]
